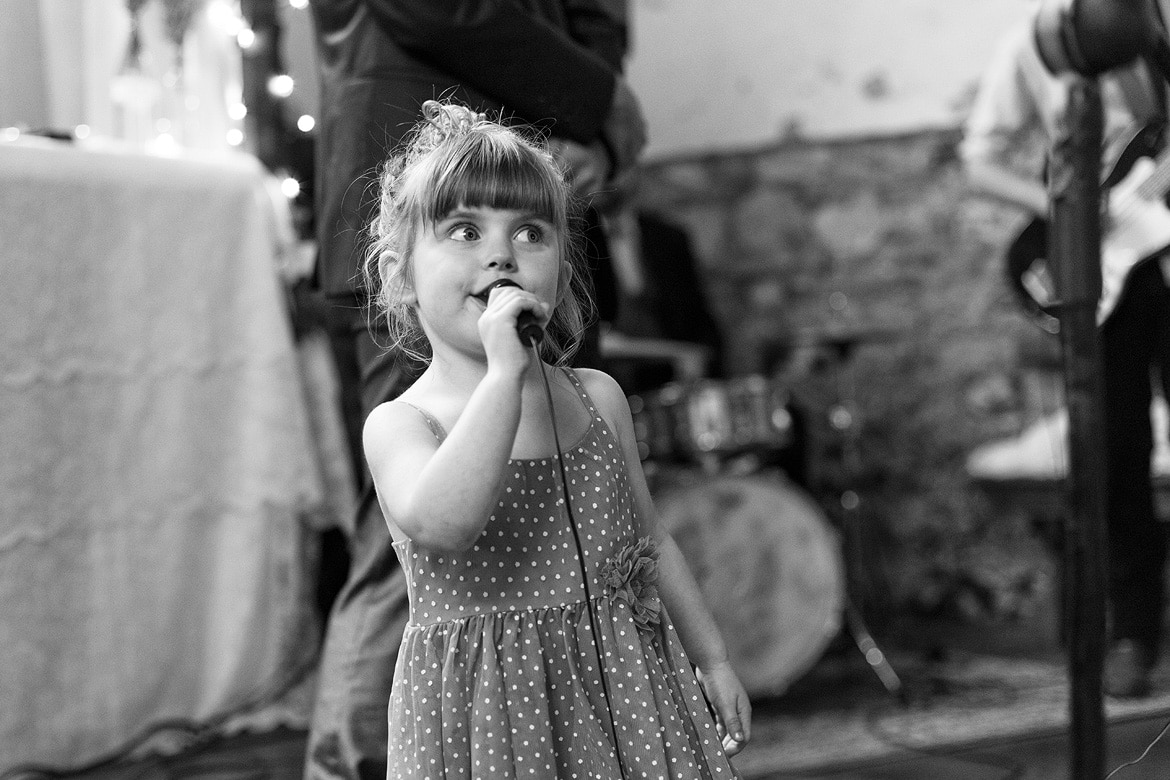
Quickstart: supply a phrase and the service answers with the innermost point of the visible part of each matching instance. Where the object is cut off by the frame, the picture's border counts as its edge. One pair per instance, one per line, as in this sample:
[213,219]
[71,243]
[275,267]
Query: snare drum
[724,417]
[712,417]
[769,567]
[655,423]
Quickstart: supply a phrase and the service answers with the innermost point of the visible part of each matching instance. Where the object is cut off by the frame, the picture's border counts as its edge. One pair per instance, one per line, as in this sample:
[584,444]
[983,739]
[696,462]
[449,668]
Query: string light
[281,85]
[290,187]
[165,144]
[267,84]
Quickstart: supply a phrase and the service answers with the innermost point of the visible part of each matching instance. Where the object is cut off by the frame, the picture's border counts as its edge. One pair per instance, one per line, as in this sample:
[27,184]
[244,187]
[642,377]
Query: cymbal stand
[844,418]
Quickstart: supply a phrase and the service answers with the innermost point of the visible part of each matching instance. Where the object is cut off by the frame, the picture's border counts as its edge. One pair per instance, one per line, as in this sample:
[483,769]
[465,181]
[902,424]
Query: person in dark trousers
[555,64]
[1018,107]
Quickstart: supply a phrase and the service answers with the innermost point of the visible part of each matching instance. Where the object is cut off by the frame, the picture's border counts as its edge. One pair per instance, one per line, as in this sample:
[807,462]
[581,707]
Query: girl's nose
[499,254]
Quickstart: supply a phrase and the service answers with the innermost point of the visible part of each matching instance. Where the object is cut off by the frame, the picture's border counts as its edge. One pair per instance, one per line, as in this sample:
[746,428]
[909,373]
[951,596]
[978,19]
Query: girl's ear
[403,293]
[565,281]
[406,294]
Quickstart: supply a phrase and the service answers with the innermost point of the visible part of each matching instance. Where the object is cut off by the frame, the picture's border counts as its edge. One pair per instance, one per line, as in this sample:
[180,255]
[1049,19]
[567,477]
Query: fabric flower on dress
[631,575]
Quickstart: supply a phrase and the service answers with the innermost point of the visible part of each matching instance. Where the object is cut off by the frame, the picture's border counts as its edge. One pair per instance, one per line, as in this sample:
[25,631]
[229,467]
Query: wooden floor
[837,703]
[273,755]
[1026,757]
[278,756]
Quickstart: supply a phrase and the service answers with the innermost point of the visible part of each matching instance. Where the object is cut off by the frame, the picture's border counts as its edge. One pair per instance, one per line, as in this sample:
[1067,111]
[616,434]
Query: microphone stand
[1075,244]
[1088,38]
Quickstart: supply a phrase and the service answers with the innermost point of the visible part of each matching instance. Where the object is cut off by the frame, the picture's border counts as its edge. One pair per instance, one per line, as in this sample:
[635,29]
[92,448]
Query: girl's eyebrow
[523,214]
[456,213]
[471,212]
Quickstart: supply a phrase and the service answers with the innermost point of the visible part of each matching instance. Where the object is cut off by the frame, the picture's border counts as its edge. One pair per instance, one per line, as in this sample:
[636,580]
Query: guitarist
[1017,109]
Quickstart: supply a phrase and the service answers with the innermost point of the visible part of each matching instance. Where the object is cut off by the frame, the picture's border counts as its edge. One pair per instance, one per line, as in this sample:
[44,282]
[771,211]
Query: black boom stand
[1087,38]
[1076,243]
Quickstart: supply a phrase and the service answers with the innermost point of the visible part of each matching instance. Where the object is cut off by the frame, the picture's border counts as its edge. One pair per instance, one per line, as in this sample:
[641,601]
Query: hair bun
[443,121]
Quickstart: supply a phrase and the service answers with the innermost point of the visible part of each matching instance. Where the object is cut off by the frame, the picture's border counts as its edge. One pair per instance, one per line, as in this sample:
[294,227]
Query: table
[156,449]
[1030,468]
[1029,472]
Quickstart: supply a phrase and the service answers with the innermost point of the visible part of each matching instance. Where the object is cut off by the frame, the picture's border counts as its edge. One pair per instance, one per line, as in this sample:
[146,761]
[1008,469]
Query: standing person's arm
[563,77]
[602,26]
[1004,116]
[501,49]
[1002,184]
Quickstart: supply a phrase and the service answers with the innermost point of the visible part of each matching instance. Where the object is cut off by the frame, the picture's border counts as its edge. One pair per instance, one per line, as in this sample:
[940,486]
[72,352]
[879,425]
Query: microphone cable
[534,342]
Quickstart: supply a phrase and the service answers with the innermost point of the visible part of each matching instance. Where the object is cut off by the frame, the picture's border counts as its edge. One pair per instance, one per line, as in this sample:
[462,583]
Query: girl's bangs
[494,177]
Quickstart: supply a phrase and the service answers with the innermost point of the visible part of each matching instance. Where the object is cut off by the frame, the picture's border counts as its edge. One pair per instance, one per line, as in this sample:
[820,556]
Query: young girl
[512,588]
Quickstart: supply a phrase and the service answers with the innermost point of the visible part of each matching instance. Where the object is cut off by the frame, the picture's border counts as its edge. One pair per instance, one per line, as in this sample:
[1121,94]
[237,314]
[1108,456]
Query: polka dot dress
[497,676]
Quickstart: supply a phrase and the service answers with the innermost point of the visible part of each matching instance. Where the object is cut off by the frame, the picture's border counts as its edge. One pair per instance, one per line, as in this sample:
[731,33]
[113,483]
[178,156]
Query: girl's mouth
[483,294]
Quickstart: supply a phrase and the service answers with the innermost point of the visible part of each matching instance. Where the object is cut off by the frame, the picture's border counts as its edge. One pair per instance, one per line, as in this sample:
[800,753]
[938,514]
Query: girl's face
[456,258]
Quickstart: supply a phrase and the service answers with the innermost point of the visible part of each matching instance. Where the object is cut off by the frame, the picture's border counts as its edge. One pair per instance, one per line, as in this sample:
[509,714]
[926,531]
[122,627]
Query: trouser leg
[347,737]
[1137,541]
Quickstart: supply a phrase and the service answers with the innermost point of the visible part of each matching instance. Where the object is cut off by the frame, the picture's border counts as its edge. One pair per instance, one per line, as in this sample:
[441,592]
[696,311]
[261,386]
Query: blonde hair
[456,157]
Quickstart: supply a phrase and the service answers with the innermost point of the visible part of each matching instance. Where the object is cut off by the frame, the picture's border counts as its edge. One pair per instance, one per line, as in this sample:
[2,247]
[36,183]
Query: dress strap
[585,399]
[432,422]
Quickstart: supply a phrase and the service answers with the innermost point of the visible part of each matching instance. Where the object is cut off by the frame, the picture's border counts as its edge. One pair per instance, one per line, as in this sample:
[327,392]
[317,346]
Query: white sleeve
[1006,105]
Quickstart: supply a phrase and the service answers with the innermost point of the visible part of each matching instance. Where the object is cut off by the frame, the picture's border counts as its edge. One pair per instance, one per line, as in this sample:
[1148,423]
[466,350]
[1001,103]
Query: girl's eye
[463,233]
[530,234]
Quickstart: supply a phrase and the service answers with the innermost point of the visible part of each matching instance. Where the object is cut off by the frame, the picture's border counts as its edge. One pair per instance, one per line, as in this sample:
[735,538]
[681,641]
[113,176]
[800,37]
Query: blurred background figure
[660,292]
[1012,124]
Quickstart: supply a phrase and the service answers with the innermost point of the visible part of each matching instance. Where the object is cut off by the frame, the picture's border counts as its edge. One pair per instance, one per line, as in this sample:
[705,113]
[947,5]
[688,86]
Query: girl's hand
[497,328]
[733,711]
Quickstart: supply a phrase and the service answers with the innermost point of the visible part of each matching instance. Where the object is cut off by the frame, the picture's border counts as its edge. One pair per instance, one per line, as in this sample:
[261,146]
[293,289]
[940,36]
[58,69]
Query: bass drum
[769,567]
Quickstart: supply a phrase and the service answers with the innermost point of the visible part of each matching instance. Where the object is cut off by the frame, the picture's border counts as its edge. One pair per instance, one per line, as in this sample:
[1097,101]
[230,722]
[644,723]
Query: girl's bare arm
[441,496]
[677,587]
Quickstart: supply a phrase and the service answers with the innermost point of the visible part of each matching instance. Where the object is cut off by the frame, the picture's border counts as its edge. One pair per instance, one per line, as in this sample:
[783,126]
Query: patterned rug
[958,702]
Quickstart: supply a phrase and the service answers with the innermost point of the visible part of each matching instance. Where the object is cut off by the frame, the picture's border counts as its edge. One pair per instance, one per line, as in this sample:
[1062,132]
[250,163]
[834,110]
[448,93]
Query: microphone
[527,326]
[1090,37]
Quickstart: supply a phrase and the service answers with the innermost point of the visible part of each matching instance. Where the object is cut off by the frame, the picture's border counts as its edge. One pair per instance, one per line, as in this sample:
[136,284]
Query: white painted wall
[727,74]
[22,77]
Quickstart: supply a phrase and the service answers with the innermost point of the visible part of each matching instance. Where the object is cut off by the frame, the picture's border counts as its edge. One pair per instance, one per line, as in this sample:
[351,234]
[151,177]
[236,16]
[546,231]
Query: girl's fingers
[734,728]
[506,297]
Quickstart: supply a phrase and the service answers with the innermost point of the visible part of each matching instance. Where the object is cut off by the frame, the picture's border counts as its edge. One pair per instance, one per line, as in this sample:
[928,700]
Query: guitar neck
[1158,183]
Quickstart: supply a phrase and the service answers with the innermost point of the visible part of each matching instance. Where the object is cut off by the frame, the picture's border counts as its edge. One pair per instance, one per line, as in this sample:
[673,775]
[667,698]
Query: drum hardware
[768,564]
[688,360]
[844,417]
[709,420]
[872,653]
[703,443]
[833,347]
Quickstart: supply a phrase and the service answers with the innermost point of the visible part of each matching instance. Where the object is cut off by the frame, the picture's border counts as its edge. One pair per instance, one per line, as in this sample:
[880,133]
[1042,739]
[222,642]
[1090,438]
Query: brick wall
[805,246]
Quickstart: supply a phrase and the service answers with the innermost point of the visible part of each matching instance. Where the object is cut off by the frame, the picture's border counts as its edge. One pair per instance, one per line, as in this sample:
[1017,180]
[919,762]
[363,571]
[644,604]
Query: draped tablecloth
[156,452]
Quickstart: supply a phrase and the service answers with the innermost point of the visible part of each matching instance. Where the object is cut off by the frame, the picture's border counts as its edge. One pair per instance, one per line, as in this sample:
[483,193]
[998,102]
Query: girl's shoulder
[399,419]
[606,393]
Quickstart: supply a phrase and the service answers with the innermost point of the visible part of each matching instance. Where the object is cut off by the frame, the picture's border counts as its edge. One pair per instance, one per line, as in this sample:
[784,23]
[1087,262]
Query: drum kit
[768,560]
